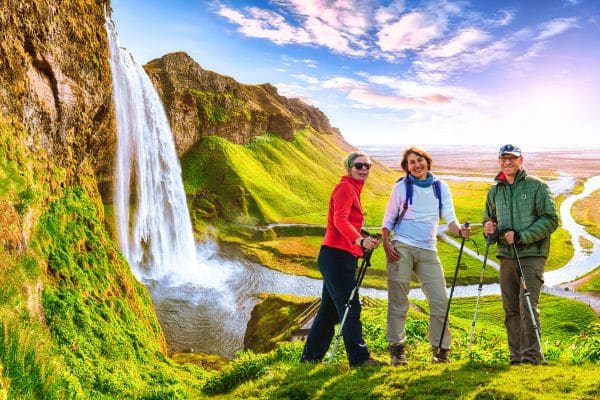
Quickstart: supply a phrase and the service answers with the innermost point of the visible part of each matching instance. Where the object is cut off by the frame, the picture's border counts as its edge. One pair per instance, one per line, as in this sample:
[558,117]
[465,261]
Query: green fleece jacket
[525,207]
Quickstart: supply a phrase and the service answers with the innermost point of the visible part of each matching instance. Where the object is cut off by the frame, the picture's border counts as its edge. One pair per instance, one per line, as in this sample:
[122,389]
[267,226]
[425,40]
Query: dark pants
[338,269]
[522,340]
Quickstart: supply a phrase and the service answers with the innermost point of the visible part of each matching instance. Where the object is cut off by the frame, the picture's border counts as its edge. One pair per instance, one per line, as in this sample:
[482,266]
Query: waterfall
[155,230]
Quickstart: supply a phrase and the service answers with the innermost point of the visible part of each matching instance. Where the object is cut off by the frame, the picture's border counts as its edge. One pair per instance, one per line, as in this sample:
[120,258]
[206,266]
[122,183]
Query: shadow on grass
[451,383]
[328,382]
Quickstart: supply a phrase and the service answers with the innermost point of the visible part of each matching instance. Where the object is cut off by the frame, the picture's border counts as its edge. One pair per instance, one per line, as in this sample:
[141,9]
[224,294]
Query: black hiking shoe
[440,355]
[397,356]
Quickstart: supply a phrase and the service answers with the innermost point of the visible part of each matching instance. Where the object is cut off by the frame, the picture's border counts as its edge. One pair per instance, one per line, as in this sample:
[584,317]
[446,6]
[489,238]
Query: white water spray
[155,231]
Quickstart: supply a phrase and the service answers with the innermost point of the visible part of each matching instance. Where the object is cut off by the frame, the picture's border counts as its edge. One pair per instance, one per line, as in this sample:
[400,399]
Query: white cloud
[385,14]
[266,25]
[532,52]
[460,43]
[387,93]
[556,27]
[311,80]
[411,31]
[338,27]
[504,18]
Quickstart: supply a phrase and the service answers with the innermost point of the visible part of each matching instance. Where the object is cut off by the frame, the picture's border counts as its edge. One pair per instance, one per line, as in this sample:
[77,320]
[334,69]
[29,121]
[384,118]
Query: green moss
[273,321]
[75,322]
[220,107]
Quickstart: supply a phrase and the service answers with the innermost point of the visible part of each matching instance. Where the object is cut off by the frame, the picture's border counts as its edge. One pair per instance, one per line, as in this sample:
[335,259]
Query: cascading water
[156,235]
[155,230]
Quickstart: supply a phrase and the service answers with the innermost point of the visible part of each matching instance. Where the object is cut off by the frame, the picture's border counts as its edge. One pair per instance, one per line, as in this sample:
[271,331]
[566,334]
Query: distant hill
[201,103]
[248,154]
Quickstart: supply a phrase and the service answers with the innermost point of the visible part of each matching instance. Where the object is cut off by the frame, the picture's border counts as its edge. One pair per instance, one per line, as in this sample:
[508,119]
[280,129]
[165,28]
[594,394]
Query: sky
[442,72]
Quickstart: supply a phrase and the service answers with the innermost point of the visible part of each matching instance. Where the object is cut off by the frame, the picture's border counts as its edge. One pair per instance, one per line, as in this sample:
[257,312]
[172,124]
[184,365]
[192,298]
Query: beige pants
[427,267]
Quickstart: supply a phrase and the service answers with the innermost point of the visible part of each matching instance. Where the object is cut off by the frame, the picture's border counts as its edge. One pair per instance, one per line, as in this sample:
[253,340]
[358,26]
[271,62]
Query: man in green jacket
[519,209]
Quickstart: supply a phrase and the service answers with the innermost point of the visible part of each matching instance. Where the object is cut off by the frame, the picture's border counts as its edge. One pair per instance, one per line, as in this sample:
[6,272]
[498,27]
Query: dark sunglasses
[360,165]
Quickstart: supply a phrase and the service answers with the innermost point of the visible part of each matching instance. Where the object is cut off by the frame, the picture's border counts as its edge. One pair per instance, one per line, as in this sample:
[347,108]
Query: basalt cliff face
[55,80]
[55,88]
[200,103]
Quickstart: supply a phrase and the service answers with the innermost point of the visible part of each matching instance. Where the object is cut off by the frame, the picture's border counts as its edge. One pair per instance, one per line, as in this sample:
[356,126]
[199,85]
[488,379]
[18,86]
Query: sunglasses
[360,165]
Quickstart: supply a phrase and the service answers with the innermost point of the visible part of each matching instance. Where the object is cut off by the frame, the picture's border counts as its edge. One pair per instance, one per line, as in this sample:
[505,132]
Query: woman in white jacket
[409,230]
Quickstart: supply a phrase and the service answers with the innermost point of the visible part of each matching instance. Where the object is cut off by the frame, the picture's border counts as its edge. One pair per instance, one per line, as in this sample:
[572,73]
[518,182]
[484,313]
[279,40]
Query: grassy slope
[570,338]
[271,180]
[76,323]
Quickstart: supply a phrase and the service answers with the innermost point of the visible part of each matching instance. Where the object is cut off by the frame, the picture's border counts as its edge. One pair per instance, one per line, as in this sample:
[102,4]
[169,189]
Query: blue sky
[400,72]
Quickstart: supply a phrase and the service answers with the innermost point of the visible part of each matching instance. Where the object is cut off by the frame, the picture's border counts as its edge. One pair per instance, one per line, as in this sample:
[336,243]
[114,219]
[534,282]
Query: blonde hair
[349,160]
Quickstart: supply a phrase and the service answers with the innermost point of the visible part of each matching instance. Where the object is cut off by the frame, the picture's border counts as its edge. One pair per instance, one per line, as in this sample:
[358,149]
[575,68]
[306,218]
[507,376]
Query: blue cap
[510,149]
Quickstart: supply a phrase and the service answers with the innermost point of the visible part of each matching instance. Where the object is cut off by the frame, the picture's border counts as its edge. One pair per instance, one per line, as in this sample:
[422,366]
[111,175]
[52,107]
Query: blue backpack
[437,190]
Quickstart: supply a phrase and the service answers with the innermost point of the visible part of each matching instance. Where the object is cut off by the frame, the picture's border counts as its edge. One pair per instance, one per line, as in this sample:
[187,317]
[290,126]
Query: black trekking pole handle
[462,245]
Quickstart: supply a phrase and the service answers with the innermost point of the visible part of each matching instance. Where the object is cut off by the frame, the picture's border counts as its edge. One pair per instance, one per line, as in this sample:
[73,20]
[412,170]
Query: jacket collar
[354,182]
[501,178]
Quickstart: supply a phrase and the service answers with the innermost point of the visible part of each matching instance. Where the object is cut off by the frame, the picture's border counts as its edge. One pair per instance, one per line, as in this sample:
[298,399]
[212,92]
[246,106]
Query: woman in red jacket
[338,261]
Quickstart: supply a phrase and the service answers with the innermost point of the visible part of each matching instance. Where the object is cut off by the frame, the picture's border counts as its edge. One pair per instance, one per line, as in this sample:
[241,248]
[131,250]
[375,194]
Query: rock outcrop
[55,79]
[200,103]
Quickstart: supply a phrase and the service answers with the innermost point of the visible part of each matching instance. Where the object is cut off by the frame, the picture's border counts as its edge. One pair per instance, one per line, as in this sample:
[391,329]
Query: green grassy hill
[273,180]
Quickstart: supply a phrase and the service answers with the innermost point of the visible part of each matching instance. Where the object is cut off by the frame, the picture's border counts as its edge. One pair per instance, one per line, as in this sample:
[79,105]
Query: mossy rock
[273,321]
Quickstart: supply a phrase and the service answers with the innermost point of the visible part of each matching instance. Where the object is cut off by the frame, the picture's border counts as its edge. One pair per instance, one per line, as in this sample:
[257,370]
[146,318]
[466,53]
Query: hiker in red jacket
[337,261]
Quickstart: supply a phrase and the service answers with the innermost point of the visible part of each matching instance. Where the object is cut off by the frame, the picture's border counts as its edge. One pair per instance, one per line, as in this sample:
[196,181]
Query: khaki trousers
[522,341]
[426,265]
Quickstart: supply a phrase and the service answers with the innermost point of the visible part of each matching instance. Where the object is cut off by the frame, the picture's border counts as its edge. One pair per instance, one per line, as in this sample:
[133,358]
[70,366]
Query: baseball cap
[510,149]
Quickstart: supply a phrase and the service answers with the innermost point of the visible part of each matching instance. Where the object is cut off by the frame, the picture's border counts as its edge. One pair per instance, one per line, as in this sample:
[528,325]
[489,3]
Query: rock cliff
[200,103]
[55,80]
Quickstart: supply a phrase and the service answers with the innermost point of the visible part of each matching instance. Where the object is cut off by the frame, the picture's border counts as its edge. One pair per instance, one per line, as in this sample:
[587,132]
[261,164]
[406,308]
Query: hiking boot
[370,362]
[440,356]
[397,356]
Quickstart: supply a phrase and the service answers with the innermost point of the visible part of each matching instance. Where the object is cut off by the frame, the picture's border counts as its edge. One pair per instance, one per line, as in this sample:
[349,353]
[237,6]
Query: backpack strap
[406,201]
[437,190]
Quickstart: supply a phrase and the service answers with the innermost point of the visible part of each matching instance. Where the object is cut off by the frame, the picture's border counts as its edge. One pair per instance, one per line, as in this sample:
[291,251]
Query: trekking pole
[462,245]
[488,240]
[526,294]
[359,278]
